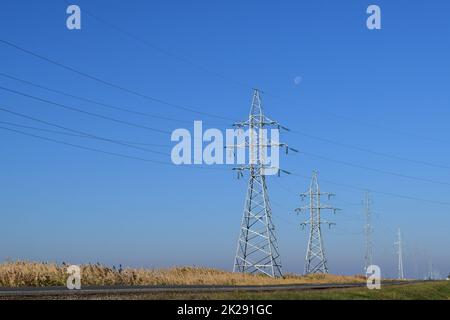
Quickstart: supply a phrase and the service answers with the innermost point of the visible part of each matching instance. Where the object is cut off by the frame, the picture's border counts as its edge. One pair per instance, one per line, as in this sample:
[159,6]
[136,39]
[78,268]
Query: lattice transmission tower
[257,249]
[430,275]
[368,231]
[316,261]
[401,275]
[433,272]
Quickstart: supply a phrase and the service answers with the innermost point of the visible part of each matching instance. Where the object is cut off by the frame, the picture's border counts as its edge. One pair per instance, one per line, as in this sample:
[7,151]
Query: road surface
[99,290]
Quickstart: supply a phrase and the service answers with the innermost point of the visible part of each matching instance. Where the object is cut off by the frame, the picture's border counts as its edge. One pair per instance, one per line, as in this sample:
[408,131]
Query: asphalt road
[98,290]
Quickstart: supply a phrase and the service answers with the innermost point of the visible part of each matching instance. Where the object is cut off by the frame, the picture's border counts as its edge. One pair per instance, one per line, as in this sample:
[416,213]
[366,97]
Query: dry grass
[20,274]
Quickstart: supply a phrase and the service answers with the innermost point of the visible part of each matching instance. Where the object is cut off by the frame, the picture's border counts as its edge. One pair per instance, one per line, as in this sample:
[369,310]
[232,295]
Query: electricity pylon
[430,275]
[368,230]
[316,261]
[401,275]
[257,249]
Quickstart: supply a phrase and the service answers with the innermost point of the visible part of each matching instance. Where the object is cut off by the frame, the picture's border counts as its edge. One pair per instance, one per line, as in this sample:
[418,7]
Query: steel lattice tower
[430,270]
[368,230]
[316,261]
[257,249]
[399,244]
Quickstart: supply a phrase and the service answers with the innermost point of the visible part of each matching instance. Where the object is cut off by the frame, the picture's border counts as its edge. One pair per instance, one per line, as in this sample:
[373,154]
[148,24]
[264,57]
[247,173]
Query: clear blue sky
[386,91]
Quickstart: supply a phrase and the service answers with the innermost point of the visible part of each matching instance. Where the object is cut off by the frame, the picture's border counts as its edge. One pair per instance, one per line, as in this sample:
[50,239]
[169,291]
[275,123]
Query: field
[32,274]
[418,291]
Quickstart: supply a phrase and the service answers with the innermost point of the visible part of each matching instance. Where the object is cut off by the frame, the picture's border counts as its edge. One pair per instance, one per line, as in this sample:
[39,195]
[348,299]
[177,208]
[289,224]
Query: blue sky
[386,91]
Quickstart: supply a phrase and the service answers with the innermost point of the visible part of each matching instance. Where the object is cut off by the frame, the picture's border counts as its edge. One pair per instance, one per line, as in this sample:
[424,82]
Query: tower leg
[257,249]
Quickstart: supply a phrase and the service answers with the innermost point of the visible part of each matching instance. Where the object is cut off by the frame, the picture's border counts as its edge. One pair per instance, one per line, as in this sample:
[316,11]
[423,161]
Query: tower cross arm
[302,209]
[327,207]
[260,122]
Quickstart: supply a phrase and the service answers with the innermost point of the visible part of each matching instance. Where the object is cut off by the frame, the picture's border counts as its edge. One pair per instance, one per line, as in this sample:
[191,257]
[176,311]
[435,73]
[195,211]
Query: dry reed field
[34,274]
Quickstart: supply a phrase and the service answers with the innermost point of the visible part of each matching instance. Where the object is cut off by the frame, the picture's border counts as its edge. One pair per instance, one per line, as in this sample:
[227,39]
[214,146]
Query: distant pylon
[316,261]
[401,275]
[368,230]
[430,275]
[257,249]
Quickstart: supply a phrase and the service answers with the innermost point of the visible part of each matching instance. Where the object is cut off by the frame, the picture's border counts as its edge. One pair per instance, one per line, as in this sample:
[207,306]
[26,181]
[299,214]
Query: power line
[379,126]
[188,109]
[343,213]
[110,84]
[106,152]
[365,124]
[294,131]
[92,101]
[78,135]
[295,225]
[396,195]
[167,132]
[364,189]
[81,132]
[382,154]
[167,52]
[344,232]
[200,67]
[85,148]
[83,111]
[375,169]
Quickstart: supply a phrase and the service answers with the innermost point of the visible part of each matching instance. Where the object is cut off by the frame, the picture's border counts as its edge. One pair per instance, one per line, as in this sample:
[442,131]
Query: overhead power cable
[167,52]
[93,114]
[382,154]
[349,164]
[363,123]
[364,189]
[89,135]
[234,81]
[106,105]
[402,196]
[112,85]
[78,135]
[326,140]
[108,152]
[84,147]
